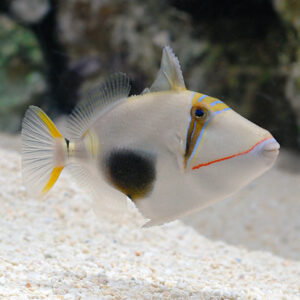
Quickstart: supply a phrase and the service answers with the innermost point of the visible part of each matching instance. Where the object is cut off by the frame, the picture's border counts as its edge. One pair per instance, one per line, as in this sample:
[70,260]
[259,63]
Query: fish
[168,151]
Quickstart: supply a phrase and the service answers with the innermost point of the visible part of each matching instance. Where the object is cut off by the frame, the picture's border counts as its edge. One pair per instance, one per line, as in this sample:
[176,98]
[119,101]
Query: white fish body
[170,150]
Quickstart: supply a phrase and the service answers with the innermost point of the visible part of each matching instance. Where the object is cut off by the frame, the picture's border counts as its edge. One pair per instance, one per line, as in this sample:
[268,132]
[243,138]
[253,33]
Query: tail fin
[44,152]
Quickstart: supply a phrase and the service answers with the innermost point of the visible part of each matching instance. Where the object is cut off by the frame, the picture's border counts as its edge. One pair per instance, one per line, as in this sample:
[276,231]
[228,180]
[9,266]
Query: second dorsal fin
[169,76]
[103,98]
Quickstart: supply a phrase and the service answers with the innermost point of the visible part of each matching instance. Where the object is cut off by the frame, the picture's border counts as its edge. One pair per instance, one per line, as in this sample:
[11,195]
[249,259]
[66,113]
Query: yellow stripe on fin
[39,135]
[51,127]
[52,179]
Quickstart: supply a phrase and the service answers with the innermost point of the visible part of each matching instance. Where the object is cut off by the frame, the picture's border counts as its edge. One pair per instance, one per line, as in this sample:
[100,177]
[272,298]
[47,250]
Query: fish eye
[199,113]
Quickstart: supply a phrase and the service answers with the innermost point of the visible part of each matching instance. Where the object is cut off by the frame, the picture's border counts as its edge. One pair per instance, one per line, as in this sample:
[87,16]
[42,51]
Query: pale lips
[270,147]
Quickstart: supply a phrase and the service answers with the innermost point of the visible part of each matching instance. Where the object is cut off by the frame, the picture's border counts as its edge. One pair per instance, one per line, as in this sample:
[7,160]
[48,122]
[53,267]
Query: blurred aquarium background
[246,53]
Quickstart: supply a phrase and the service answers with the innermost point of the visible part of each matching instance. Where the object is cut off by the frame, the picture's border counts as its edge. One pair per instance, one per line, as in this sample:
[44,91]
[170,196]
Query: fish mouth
[268,146]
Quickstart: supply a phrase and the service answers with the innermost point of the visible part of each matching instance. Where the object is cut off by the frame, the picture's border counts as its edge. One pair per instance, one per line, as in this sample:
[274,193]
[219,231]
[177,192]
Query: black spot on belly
[131,171]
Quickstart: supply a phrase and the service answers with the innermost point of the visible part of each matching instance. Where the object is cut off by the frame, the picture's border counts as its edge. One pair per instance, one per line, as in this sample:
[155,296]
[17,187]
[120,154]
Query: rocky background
[244,52]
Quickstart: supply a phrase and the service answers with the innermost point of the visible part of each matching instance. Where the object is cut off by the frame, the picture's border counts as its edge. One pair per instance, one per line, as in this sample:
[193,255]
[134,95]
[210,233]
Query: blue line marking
[202,131]
[192,95]
[201,98]
[198,140]
[215,102]
[222,110]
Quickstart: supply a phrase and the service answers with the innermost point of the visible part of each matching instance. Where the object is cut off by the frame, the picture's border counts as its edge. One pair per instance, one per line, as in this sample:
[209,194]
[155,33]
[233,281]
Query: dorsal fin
[169,76]
[100,100]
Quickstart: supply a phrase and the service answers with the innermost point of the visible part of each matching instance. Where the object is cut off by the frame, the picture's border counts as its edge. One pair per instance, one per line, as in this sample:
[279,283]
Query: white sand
[56,249]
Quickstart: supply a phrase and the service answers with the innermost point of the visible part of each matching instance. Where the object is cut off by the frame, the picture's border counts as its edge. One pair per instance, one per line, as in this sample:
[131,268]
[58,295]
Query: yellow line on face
[211,103]
[49,124]
[214,106]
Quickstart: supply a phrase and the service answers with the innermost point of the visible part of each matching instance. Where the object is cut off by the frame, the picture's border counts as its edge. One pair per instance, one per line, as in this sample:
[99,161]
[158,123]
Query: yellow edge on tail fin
[55,134]
[51,127]
[52,179]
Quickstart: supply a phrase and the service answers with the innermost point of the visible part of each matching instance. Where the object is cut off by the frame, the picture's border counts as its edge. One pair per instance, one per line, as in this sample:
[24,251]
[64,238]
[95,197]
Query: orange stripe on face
[197,128]
[230,156]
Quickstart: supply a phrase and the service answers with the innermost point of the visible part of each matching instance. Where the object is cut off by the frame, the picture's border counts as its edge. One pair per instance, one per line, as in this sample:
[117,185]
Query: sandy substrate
[56,249]
[265,215]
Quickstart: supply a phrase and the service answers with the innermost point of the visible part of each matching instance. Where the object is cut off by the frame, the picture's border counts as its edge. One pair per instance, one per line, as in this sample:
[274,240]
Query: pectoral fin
[177,148]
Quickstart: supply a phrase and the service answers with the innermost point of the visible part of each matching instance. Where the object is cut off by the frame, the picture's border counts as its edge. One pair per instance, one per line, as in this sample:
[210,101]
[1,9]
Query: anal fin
[108,203]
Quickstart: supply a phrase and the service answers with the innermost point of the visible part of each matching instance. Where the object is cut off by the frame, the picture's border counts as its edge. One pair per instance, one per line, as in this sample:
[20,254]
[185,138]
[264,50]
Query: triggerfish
[170,150]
